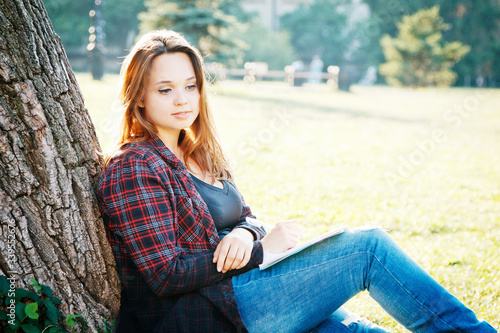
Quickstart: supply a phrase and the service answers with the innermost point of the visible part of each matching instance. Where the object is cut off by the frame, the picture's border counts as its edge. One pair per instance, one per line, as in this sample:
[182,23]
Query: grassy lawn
[422,164]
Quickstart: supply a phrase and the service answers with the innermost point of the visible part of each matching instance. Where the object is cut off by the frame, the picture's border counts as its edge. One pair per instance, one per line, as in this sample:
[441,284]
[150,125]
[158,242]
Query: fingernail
[219,269]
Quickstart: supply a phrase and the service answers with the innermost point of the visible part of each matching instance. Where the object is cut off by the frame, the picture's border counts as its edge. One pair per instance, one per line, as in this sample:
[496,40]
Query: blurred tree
[383,17]
[205,23]
[234,8]
[71,21]
[264,45]
[474,23]
[96,41]
[318,29]
[122,23]
[326,28]
[418,57]
[477,24]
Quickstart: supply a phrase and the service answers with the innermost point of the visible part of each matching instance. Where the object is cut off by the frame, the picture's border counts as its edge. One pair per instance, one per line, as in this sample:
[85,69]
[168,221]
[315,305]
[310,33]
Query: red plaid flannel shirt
[163,239]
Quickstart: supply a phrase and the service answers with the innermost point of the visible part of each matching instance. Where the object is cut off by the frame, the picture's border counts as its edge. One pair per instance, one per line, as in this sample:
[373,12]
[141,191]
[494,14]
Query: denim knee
[372,236]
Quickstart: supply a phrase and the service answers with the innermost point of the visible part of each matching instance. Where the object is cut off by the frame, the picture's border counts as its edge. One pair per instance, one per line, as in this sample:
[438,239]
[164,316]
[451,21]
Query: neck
[170,140]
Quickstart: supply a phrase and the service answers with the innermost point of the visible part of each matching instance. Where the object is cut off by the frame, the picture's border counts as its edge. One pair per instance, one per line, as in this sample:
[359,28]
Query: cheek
[154,107]
[196,101]
[153,114]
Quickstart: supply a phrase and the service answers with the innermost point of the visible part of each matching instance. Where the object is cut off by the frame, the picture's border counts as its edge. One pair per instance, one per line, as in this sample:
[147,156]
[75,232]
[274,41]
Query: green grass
[422,164]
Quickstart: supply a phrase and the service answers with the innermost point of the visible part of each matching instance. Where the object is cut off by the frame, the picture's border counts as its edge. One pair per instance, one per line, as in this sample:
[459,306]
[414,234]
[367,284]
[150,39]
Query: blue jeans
[343,321]
[301,293]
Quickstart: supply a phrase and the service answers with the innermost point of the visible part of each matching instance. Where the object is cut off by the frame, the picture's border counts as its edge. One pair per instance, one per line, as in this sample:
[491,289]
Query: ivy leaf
[47,291]
[55,300]
[36,285]
[12,328]
[69,320]
[31,309]
[3,315]
[21,293]
[30,328]
[24,293]
[33,296]
[20,311]
[4,285]
[52,312]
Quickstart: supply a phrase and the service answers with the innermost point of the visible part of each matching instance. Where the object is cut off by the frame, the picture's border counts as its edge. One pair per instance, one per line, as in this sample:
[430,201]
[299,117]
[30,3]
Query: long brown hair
[200,142]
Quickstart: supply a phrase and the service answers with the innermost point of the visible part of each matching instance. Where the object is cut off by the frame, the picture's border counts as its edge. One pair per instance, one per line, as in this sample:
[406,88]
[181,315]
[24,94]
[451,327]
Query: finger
[245,260]
[240,255]
[217,251]
[290,225]
[295,229]
[297,233]
[222,256]
[291,241]
[286,223]
[295,240]
[233,259]
[299,229]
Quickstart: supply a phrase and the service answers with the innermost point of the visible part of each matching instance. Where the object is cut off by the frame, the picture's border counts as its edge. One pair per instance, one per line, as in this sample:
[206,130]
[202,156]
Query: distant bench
[254,71]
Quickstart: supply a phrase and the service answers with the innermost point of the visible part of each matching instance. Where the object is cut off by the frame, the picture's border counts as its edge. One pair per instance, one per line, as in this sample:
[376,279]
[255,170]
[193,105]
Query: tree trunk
[49,168]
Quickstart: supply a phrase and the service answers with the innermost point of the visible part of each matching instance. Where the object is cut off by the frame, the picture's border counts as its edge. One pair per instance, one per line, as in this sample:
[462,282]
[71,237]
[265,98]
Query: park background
[420,162]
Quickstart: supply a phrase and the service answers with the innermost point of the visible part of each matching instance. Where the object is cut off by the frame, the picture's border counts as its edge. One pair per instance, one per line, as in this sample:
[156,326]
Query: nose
[180,99]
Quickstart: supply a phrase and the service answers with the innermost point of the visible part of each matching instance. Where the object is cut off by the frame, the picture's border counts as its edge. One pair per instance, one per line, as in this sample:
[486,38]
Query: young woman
[188,260]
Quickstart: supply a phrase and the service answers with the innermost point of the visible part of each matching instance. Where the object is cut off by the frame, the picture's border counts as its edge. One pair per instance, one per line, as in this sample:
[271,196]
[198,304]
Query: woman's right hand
[282,237]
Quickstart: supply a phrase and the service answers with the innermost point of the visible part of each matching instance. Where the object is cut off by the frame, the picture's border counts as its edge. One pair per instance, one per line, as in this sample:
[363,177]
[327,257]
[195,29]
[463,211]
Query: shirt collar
[166,154]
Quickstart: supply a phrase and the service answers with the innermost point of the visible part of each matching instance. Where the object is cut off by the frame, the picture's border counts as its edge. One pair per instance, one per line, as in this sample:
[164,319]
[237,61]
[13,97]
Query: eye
[191,87]
[165,90]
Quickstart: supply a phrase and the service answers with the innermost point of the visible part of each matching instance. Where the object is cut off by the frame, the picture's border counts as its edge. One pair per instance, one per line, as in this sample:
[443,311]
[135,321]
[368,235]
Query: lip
[181,114]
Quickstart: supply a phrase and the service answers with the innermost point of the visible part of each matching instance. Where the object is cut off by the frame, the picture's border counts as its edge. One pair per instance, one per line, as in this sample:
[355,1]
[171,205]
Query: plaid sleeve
[143,214]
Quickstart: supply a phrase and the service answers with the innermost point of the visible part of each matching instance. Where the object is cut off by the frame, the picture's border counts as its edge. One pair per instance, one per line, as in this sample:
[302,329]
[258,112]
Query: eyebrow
[168,81]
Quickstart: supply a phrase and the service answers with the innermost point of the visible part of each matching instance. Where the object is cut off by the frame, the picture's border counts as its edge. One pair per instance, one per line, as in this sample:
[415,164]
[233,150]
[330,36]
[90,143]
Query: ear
[140,104]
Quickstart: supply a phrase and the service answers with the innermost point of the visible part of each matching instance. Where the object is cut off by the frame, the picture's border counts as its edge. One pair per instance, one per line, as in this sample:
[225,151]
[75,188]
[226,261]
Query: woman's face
[171,100]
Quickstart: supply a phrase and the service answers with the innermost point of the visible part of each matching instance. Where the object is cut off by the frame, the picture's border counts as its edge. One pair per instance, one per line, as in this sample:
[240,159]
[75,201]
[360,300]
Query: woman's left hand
[234,250]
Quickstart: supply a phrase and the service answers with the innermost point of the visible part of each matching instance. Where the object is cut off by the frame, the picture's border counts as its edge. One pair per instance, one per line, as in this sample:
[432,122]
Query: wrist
[265,245]
[247,234]
[270,246]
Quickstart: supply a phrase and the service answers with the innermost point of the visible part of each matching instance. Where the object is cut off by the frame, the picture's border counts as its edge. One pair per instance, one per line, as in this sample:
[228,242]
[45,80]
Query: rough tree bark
[49,167]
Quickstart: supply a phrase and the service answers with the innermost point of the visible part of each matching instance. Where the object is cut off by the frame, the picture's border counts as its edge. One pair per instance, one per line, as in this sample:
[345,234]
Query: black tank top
[224,204]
